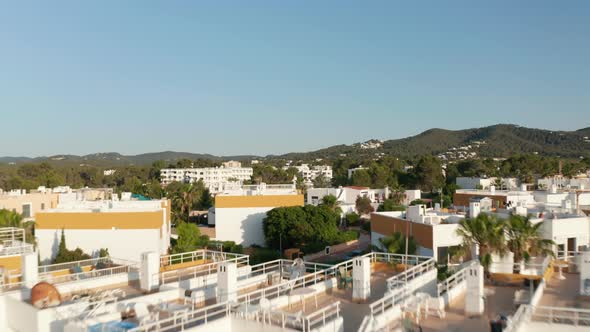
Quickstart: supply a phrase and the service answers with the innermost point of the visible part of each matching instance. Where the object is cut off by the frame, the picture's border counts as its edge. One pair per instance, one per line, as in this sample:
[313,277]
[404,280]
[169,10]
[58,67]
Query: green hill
[500,140]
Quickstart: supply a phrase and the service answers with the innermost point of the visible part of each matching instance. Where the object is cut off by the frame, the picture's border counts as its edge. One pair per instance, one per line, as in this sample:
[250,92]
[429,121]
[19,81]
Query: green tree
[321,181]
[189,238]
[361,178]
[390,205]
[64,255]
[428,173]
[308,227]
[206,200]
[525,240]
[363,205]
[487,233]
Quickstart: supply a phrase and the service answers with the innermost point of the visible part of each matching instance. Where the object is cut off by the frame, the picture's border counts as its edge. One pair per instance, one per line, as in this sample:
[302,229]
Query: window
[42,206]
[27,210]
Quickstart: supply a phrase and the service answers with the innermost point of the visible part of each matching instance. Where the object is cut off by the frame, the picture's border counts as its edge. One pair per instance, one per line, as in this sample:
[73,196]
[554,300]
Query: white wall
[559,230]
[472,183]
[241,225]
[122,243]
[444,235]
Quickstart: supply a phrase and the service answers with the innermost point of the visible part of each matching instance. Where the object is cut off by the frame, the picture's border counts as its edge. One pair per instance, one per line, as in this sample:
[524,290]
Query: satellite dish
[45,295]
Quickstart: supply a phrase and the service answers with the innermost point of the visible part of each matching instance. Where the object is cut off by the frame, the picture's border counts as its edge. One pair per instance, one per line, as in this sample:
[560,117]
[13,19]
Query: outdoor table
[560,267]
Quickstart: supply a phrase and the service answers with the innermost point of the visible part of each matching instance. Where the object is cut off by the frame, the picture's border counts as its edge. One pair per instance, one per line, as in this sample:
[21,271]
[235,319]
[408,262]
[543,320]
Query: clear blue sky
[240,77]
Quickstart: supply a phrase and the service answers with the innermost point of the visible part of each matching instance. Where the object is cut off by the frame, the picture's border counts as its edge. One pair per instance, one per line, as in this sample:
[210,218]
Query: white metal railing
[321,317]
[521,316]
[15,247]
[524,267]
[551,315]
[205,315]
[85,275]
[112,266]
[69,265]
[12,234]
[556,315]
[397,285]
[319,274]
[202,254]
[397,258]
[199,270]
[454,280]
[391,299]
[411,273]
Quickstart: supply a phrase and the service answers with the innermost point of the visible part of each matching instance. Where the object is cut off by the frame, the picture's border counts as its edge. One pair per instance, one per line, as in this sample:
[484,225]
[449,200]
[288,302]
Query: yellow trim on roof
[99,220]
[258,201]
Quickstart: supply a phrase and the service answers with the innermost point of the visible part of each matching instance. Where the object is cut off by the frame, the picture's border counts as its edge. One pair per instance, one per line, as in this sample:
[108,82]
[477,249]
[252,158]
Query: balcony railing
[90,268]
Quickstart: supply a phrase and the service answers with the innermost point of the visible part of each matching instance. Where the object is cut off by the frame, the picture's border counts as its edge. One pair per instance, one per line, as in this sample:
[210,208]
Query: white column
[227,281]
[474,304]
[361,278]
[150,268]
[30,269]
[585,273]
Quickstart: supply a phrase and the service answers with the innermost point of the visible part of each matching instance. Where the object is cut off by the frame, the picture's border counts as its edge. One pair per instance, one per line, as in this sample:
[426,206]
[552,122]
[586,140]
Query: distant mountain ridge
[500,140]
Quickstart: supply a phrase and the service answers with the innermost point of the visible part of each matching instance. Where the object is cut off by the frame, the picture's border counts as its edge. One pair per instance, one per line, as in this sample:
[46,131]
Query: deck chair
[343,279]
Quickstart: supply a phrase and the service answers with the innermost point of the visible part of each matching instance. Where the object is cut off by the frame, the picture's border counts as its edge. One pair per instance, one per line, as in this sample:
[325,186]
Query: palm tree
[184,200]
[397,194]
[12,219]
[487,233]
[332,203]
[525,241]
[396,244]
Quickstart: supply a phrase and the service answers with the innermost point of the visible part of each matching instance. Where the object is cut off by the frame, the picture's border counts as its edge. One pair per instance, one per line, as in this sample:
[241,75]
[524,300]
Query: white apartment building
[238,213]
[216,179]
[27,204]
[347,196]
[311,173]
[125,227]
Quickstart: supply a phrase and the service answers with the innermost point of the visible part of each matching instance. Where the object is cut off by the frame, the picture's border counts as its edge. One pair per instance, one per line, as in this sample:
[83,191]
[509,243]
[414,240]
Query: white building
[346,196]
[238,213]
[486,183]
[214,178]
[126,227]
[311,173]
[433,229]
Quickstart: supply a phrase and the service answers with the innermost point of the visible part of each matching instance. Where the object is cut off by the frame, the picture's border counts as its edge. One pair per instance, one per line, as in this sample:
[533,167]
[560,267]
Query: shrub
[352,219]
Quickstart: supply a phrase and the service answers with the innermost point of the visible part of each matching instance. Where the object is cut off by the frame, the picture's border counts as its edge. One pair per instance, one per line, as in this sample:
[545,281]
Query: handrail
[201,254]
[68,265]
[197,271]
[85,275]
[397,286]
[455,279]
[550,315]
[411,273]
[15,248]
